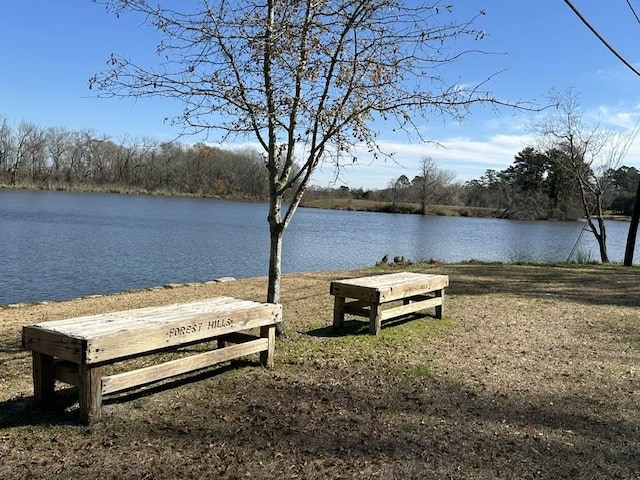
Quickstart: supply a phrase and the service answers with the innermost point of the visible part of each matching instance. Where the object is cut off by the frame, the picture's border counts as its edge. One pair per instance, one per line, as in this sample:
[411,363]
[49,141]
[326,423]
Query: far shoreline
[361,205]
[342,204]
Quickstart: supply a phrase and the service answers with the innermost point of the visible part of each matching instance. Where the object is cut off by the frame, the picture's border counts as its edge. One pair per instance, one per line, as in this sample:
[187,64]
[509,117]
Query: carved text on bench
[198,327]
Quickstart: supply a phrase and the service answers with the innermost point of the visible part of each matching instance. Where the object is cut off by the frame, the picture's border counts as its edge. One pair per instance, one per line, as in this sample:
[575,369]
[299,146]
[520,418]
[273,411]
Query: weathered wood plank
[410,287]
[156,316]
[44,380]
[113,345]
[90,393]
[154,373]
[345,289]
[95,325]
[146,312]
[388,287]
[38,338]
[268,333]
[375,319]
[419,298]
[338,312]
[440,308]
[410,308]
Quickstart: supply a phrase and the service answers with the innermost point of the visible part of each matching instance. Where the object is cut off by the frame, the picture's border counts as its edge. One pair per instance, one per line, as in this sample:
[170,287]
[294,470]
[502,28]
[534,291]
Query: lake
[60,245]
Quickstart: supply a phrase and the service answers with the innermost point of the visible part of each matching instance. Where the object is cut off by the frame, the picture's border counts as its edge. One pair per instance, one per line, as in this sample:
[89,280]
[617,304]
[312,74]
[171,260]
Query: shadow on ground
[62,409]
[337,428]
[598,284]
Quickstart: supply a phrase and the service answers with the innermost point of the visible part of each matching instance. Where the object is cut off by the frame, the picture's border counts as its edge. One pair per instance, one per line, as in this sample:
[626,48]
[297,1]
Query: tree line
[535,187]
[539,185]
[58,158]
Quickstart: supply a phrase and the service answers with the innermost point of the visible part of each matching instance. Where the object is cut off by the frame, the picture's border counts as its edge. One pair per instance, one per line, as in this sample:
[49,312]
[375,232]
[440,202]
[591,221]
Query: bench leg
[90,393]
[375,319]
[338,312]
[44,380]
[266,356]
[440,308]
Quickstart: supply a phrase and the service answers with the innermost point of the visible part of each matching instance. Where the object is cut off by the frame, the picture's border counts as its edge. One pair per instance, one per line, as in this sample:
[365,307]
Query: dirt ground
[533,373]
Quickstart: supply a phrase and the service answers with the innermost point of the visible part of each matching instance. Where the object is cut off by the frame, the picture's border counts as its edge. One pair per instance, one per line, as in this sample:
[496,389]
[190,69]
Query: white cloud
[619,76]
[620,117]
[468,158]
[468,151]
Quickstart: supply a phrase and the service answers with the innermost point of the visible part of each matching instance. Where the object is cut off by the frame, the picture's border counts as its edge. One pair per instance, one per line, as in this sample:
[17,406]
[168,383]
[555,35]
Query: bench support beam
[90,393]
[440,306]
[44,379]
[268,333]
[338,312]
[375,318]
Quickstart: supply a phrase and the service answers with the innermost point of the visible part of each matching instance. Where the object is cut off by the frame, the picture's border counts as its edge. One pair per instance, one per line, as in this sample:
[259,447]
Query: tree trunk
[423,194]
[633,230]
[599,233]
[276,233]
[275,260]
[602,241]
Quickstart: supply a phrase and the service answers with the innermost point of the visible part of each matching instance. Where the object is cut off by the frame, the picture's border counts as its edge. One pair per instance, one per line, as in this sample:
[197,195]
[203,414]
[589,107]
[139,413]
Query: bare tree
[29,159]
[587,151]
[425,182]
[7,146]
[58,145]
[308,74]
[431,183]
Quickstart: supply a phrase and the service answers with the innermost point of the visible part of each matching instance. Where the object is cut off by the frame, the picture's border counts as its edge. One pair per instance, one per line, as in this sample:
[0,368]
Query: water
[56,245]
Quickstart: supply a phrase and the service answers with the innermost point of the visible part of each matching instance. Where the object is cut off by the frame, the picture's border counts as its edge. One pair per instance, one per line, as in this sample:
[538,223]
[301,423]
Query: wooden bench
[417,292]
[75,350]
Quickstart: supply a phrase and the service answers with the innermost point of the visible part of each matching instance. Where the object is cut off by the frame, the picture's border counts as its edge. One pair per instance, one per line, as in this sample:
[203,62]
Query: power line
[600,37]
[633,10]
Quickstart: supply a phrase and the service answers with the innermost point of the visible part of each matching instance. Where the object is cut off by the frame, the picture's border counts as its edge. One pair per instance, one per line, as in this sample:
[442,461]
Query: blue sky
[49,50]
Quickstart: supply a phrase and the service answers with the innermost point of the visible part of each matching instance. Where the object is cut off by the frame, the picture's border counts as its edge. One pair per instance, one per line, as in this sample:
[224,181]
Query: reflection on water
[58,245]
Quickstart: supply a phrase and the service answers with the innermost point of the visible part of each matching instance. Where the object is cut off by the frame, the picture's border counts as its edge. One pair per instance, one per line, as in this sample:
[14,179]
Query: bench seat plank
[389,287]
[95,325]
[106,337]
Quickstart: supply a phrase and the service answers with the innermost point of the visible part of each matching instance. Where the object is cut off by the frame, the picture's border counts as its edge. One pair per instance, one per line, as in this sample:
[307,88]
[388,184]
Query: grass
[533,373]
